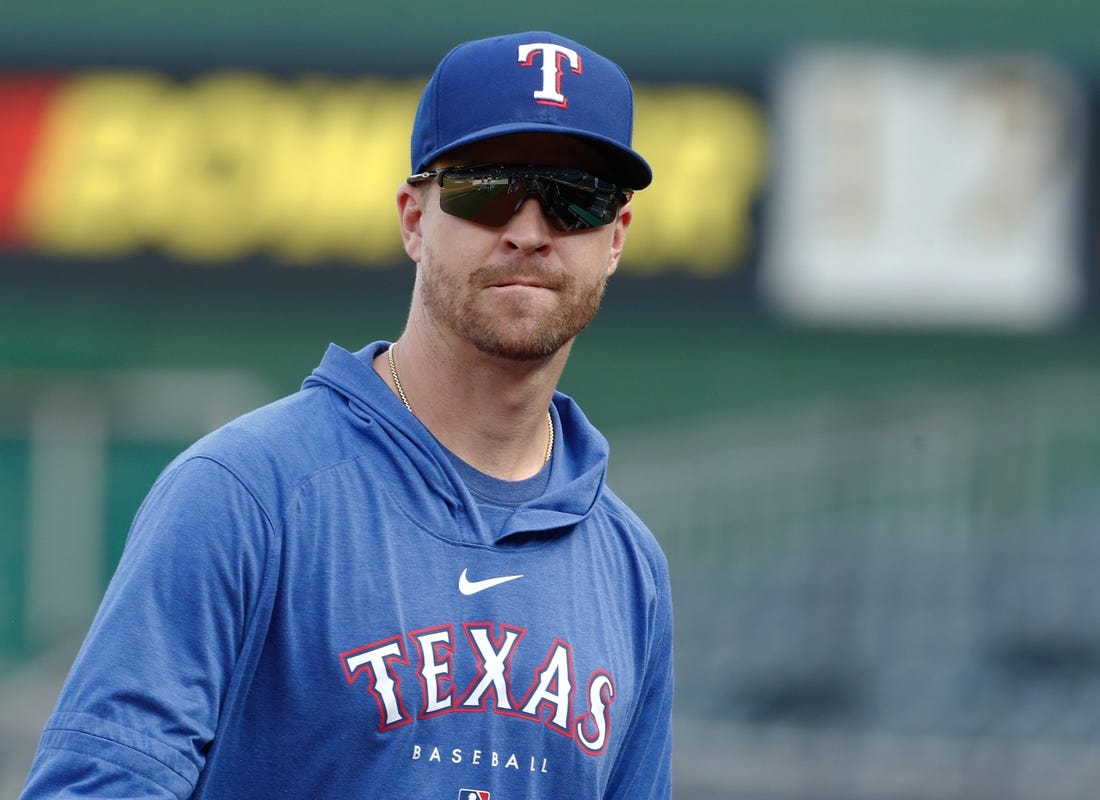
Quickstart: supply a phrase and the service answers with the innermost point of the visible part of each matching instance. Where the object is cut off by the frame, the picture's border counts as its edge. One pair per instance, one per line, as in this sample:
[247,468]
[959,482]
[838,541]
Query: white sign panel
[910,191]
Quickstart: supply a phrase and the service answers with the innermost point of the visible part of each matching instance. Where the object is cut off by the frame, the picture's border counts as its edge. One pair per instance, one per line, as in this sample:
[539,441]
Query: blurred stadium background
[850,369]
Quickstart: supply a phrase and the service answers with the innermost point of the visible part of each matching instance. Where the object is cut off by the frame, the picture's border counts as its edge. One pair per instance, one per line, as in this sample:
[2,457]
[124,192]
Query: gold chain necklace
[405,400]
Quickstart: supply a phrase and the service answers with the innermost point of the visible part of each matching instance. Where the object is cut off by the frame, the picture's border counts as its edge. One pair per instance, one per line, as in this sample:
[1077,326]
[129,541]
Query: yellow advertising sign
[235,164]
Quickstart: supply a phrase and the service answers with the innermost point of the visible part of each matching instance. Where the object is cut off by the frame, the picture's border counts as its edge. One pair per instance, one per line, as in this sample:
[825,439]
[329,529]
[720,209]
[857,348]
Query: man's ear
[618,236]
[410,212]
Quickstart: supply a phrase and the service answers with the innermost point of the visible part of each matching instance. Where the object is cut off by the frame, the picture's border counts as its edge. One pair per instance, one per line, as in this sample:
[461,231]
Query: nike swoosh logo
[468,587]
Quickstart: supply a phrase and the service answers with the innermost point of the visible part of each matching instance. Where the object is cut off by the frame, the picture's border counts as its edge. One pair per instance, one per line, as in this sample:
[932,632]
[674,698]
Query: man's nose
[528,229]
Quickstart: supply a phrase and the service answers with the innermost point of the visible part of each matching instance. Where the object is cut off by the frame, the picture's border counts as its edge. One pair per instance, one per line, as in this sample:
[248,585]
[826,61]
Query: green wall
[647,37]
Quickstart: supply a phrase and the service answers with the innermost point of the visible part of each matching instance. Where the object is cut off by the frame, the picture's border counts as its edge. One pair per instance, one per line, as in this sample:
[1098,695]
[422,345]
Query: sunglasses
[490,194]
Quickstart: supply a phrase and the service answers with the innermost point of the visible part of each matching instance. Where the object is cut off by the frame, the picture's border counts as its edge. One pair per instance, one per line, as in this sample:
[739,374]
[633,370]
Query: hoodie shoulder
[275,447]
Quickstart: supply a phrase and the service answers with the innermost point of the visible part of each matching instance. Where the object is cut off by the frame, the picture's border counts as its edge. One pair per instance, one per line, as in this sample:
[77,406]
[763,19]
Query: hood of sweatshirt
[426,482]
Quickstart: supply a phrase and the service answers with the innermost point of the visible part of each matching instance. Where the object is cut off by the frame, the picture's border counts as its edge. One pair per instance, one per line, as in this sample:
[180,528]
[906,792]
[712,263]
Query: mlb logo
[472,794]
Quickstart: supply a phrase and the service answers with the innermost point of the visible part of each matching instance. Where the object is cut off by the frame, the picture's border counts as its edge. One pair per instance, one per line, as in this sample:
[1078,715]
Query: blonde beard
[451,300]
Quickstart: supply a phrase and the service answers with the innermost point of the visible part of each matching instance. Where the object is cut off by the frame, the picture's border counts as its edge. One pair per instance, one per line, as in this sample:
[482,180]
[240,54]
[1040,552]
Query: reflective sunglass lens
[488,202]
[571,200]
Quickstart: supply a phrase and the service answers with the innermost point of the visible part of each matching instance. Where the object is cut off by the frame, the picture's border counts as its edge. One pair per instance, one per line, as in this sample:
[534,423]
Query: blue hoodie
[314,603]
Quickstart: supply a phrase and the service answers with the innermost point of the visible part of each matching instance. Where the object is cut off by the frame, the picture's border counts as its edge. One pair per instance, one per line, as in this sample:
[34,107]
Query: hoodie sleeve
[142,702]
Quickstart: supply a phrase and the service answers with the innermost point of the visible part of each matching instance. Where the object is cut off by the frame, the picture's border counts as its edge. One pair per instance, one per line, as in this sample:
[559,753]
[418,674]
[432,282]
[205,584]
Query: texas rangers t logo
[554,57]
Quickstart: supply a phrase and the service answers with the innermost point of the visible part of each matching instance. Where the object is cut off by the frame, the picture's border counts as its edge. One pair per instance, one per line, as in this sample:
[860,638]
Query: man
[409,578]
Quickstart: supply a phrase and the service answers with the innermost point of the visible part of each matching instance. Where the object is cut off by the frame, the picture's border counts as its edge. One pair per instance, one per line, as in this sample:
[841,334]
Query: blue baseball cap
[536,82]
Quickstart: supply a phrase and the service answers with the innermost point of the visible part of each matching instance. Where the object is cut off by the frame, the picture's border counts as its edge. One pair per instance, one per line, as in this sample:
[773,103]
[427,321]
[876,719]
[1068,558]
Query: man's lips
[503,278]
[520,282]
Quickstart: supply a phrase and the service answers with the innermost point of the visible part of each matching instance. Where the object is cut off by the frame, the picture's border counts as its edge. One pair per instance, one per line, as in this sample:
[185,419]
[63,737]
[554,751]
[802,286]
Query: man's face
[521,291]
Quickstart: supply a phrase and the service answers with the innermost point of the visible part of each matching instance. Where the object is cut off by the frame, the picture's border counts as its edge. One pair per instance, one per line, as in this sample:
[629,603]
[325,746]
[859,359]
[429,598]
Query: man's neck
[490,412]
